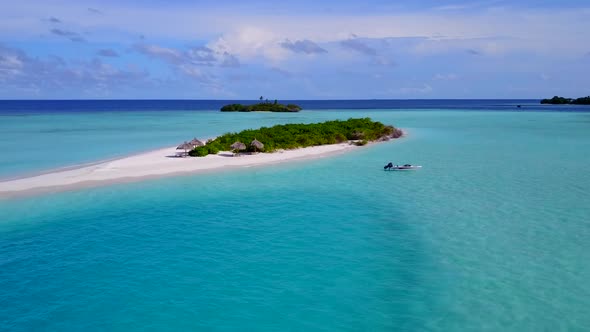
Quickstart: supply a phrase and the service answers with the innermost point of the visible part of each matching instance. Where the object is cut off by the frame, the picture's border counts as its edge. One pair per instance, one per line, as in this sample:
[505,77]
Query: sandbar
[153,164]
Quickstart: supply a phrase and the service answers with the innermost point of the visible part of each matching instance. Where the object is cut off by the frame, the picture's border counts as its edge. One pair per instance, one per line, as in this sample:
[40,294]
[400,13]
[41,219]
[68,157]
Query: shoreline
[151,165]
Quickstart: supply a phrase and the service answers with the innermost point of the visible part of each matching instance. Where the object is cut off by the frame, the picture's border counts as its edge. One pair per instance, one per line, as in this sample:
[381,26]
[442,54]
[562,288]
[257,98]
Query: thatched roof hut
[257,145]
[238,146]
[185,146]
[196,142]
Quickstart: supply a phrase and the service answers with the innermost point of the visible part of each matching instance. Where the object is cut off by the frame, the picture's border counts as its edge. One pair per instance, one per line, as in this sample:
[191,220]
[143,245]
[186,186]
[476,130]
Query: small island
[263,106]
[566,101]
[290,141]
[294,136]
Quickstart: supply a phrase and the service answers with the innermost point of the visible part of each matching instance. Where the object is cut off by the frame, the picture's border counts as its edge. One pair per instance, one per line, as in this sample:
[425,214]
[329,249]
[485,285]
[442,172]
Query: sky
[371,49]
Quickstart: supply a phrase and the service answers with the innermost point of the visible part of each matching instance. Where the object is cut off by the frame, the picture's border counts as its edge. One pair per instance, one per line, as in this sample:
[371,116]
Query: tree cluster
[562,101]
[293,136]
[261,107]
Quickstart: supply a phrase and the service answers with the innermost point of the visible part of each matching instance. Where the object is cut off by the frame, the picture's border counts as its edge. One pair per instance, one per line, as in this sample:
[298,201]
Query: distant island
[294,136]
[263,106]
[567,101]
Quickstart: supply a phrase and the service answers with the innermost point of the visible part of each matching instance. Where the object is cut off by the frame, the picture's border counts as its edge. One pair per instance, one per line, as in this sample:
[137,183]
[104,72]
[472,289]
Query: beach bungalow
[195,142]
[237,147]
[186,146]
[257,145]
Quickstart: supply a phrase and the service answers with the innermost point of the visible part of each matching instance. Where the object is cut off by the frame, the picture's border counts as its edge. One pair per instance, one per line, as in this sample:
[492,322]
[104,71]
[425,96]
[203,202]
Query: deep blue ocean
[490,235]
[82,106]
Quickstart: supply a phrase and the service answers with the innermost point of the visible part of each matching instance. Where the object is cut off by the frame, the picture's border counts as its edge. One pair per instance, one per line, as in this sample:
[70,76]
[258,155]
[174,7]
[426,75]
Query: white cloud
[251,42]
[232,35]
[303,46]
[23,72]
[358,45]
[190,62]
[247,33]
[194,56]
[191,70]
[12,64]
[168,54]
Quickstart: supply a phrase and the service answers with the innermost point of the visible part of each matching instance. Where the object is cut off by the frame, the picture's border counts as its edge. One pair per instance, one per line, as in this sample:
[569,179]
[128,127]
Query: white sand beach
[158,163]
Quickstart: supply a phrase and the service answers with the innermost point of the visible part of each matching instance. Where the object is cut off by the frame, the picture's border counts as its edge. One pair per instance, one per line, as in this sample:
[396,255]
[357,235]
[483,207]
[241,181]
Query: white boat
[406,167]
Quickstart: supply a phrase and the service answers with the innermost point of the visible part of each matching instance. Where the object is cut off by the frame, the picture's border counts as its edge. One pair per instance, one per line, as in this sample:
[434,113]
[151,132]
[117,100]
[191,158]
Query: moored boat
[406,167]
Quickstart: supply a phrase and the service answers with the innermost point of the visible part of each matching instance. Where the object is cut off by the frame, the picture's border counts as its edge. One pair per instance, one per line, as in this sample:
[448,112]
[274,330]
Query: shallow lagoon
[490,234]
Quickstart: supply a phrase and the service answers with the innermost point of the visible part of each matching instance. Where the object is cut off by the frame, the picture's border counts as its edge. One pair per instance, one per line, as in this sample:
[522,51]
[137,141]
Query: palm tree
[261,98]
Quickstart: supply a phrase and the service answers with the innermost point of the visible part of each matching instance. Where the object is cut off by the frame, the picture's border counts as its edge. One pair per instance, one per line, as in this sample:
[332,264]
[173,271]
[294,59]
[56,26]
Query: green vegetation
[199,151]
[563,101]
[582,101]
[293,136]
[361,143]
[265,106]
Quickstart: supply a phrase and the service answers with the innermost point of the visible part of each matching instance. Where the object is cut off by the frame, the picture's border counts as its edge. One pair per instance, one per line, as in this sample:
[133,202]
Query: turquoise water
[54,140]
[492,234]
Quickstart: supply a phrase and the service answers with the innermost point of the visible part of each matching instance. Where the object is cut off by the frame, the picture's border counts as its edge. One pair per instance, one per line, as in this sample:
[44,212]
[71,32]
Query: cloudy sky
[294,49]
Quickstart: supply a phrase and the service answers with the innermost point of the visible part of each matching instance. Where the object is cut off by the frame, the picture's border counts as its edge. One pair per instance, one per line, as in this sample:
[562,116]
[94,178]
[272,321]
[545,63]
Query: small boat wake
[406,167]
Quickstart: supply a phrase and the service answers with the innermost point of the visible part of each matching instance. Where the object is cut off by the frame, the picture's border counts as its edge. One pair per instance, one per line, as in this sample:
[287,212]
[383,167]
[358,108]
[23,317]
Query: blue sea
[492,234]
